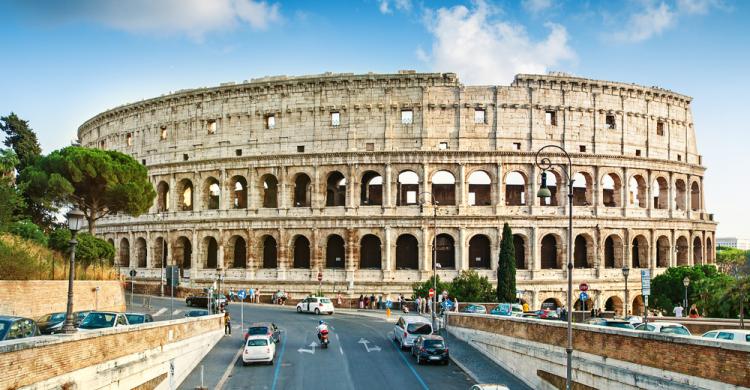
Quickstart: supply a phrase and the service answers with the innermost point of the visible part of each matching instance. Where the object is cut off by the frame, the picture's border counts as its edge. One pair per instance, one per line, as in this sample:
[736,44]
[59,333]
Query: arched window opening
[697,251]
[609,253]
[162,199]
[213,194]
[445,252]
[408,188]
[444,188]
[335,252]
[479,252]
[637,306]
[372,189]
[662,252]
[185,191]
[301,252]
[582,189]
[515,189]
[611,188]
[160,253]
[269,253]
[552,184]
[407,252]
[212,253]
[581,252]
[480,189]
[239,195]
[637,192]
[549,252]
[519,245]
[370,252]
[238,250]
[695,197]
[302,191]
[141,252]
[183,253]
[639,255]
[613,304]
[336,190]
[551,304]
[270,191]
[661,193]
[680,194]
[682,251]
[124,253]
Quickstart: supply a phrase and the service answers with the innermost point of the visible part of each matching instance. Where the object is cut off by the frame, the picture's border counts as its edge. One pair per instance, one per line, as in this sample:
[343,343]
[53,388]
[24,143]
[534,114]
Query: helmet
[320,322]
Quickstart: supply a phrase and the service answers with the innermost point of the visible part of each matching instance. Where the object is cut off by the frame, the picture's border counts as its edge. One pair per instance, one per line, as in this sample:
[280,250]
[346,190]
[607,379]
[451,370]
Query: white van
[408,328]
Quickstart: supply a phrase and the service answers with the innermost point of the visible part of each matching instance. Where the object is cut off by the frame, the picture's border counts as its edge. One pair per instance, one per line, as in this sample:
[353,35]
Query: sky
[64,62]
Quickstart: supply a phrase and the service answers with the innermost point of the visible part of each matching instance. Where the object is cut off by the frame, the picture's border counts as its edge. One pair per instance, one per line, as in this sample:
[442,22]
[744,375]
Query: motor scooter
[323,336]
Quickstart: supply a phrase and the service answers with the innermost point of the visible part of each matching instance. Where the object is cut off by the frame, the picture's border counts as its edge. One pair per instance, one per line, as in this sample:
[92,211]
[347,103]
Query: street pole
[171,293]
[545,164]
[434,260]
[75,220]
[627,298]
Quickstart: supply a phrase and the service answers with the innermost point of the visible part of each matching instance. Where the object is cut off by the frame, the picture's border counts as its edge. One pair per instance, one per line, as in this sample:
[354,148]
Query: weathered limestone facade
[270,181]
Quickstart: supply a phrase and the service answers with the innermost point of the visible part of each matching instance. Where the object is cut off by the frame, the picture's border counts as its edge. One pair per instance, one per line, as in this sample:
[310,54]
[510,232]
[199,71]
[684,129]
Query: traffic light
[173,275]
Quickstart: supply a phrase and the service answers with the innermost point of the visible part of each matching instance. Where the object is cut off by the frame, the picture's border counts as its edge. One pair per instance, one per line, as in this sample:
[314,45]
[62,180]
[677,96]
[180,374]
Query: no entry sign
[432,292]
[583,287]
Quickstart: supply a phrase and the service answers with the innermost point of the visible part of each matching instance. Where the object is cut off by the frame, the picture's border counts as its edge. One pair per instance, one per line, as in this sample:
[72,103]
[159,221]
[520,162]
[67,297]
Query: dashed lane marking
[160,312]
[176,312]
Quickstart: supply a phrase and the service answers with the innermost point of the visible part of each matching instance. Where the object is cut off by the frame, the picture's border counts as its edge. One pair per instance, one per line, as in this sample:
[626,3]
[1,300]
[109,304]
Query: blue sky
[63,62]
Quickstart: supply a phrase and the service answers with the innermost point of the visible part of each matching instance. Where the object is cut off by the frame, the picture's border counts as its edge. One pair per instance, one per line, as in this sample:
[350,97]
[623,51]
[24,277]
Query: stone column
[499,190]
[197,192]
[387,265]
[625,190]
[531,199]
[172,196]
[495,252]
[253,188]
[196,262]
[352,182]
[534,252]
[462,193]
[225,194]
[627,253]
[671,191]
[649,193]
[652,250]
[387,186]
[463,252]
[283,193]
[315,201]
[672,250]
[352,255]
[426,250]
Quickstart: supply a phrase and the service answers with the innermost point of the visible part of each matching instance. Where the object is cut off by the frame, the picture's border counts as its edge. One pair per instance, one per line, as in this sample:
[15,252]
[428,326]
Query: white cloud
[650,21]
[536,6]
[483,50]
[401,5]
[700,7]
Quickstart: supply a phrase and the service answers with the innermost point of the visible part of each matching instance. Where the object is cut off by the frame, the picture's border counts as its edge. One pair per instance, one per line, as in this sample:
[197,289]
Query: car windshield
[3,329]
[57,317]
[197,313]
[258,330]
[419,328]
[135,318]
[434,344]
[257,342]
[675,330]
[325,300]
[622,325]
[98,320]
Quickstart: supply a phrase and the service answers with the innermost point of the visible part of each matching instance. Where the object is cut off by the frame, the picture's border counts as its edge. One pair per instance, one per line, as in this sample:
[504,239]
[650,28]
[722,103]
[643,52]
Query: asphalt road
[362,354]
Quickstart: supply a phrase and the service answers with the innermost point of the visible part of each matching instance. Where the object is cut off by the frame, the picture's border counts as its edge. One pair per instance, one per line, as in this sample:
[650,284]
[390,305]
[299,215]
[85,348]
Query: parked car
[547,314]
[476,309]
[315,305]
[139,318]
[741,336]
[507,309]
[664,327]
[12,328]
[258,349]
[430,348]
[269,329]
[103,320]
[635,320]
[80,315]
[196,313]
[612,323]
[408,328]
[202,300]
[51,323]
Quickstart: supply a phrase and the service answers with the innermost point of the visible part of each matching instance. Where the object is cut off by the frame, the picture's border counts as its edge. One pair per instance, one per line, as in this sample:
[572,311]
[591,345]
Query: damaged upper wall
[399,112]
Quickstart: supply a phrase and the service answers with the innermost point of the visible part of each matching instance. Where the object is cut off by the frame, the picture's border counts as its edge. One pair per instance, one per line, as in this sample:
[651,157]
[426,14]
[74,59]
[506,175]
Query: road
[362,355]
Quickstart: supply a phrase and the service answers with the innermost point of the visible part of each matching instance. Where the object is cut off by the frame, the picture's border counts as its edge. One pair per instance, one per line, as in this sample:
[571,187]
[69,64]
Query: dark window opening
[550,118]
[335,252]
[519,247]
[659,128]
[370,253]
[479,252]
[300,148]
[407,252]
[336,190]
[269,252]
[238,152]
[610,121]
[549,252]
[582,148]
[270,192]
[301,252]
[302,189]
[445,252]
[372,189]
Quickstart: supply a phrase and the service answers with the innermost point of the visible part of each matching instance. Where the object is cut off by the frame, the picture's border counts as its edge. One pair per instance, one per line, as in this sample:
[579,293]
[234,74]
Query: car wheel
[317,311]
[299,309]
[270,363]
[244,363]
[445,362]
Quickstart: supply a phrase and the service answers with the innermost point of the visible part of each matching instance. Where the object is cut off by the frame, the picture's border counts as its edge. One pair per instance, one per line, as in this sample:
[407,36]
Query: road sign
[584,296]
[241,294]
[583,287]
[432,292]
[320,276]
[646,281]
[132,273]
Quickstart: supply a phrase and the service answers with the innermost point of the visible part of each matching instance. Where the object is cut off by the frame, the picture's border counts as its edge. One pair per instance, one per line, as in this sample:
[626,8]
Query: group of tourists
[252,296]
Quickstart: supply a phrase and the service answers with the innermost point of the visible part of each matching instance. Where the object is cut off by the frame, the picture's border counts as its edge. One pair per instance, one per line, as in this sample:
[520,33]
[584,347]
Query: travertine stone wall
[250,183]
[35,298]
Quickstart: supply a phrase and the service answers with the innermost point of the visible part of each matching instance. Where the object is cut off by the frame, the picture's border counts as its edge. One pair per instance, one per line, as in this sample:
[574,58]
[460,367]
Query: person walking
[372,301]
[455,304]
[525,307]
[227,324]
[367,302]
[678,310]
[693,311]
[361,301]
[416,303]
[251,294]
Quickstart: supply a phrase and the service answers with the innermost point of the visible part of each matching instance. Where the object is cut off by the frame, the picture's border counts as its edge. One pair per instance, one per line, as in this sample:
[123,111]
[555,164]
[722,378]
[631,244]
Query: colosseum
[270,182]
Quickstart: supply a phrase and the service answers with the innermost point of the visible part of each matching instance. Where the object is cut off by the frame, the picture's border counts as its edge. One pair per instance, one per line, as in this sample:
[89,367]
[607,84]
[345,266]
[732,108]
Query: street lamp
[434,246]
[545,164]
[75,221]
[625,273]
[686,283]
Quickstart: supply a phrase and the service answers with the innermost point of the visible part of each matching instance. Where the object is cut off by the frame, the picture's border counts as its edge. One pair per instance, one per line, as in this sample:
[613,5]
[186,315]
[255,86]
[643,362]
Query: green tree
[22,139]
[727,258]
[59,239]
[8,162]
[469,286]
[28,230]
[667,289]
[506,270]
[92,250]
[99,182]
[421,289]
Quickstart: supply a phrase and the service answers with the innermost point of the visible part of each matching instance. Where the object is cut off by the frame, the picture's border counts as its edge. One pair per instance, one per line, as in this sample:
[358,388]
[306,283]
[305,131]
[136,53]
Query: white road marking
[365,342]
[176,312]
[229,369]
[338,340]
[160,312]
[311,350]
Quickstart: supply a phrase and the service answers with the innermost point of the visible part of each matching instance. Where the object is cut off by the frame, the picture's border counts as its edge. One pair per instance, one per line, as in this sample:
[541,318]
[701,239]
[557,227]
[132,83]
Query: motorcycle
[323,336]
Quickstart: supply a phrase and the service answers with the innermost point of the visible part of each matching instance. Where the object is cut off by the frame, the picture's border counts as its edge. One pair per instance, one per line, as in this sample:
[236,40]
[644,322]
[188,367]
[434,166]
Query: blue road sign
[584,296]
[241,294]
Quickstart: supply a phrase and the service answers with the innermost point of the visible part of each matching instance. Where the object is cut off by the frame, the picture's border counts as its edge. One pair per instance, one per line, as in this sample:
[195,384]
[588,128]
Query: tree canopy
[708,288]
[468,286]
[506,270]
[421,289]
[22,139]
[99,182]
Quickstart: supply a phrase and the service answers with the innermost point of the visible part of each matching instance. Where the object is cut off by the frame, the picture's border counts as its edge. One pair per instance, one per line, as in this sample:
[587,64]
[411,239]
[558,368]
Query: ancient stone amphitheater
[270,182]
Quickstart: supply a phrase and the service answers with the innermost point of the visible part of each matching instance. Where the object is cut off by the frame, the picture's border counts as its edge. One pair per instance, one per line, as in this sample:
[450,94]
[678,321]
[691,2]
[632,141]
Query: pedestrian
[678,310]
[525,307]
[361,301]
[227,324]
[558,310]
[693,311]
[380,302]
[338,298]
[372,301]
[367,302]
[423,303]
[251,294]
[455,304]
[416,303]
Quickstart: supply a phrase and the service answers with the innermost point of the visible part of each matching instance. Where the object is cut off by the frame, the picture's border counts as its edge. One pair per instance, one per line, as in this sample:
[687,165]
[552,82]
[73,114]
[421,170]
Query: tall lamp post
[545,164]
[625,273]
[434,258]
[75,221]
[686,283]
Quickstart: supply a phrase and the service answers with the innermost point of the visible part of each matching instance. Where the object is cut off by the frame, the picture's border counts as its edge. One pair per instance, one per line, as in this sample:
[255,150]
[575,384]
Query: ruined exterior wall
[222,132]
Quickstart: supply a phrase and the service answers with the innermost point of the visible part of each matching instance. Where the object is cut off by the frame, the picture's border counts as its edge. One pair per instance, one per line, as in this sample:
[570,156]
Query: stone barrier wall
[35,298]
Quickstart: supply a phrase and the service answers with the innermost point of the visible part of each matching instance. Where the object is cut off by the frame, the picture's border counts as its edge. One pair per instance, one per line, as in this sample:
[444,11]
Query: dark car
[51,323]
[139,318]
[264,328]
[202,300]
[196,313]
[430,348]
[12,328]
[80,315]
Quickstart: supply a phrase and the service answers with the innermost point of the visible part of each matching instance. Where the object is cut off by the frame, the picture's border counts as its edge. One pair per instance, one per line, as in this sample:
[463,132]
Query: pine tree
[506,270]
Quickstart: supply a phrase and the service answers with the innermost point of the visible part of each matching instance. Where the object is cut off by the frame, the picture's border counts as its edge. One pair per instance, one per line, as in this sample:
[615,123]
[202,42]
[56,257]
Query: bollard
[388,312]
[202,386]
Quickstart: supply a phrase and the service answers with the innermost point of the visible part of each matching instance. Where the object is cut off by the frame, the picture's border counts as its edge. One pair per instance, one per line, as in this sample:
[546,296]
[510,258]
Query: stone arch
[551,303]
[660,189]
[302,191]
[709,251]
[407,252]
[235,254]
[238,184]
[611,190]
[639,255]
[124,252]
[408,188]
[682,251]
[185,195]
[162,197]
[519,246]
[580,305]
[582,189]
[335,189]
[479,252]
[614,304]
[637,191]
[697,250]
[553,180]
[583,251]
[444,188]
[211,253]
[269,252]
[160,253]
[695,196]
[372,189]
[551,249]
[370,252]
[141,252]
[183,253]
[269,186]
[480,189]
[211,194]
[515,188]
[680,194]
[662,252]
[613,251]
[335,252]
[445,251]
[301,252]
[637,307]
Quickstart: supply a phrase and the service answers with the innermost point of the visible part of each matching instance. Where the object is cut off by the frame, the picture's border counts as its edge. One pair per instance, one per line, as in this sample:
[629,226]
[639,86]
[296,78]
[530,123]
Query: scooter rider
[321,327]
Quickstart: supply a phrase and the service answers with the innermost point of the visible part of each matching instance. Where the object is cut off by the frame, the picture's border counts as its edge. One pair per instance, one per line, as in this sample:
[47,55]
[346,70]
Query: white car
[739,336]
[258,349]
[103,320]
[664,327]
[315,305]
[408,328]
